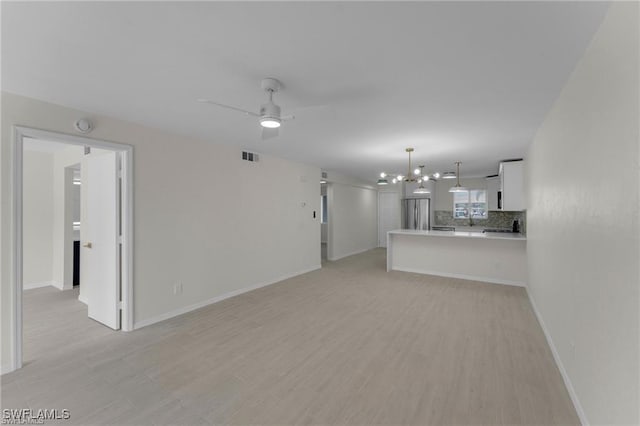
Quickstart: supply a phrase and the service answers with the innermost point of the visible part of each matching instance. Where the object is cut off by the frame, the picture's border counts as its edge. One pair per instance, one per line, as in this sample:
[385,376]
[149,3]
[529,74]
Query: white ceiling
[468,81]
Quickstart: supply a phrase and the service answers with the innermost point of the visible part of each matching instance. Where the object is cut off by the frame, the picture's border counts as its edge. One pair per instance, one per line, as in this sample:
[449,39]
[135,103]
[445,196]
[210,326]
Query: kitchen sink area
[496,221]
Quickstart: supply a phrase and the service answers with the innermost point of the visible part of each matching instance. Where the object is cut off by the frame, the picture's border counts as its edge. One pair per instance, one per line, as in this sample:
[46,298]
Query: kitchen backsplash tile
[496,219]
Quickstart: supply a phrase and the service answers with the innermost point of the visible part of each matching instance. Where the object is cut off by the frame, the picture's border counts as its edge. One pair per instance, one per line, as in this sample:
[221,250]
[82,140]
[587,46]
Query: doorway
[104,231]
[324,221]
[388,215]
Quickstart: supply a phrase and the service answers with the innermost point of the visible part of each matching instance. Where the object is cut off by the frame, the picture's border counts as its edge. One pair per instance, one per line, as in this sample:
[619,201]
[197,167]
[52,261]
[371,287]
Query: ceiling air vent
[250,156]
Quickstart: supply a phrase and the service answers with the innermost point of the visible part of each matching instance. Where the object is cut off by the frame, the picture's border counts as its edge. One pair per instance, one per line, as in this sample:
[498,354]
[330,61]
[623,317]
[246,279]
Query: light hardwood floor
[348,344]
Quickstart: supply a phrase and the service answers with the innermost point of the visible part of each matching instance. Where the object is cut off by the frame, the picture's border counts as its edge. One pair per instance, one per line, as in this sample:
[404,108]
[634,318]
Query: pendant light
[421,189]
[457,187]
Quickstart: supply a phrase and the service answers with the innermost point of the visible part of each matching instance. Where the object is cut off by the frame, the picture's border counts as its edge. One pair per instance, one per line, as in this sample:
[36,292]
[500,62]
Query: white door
[388,215]
[100,255]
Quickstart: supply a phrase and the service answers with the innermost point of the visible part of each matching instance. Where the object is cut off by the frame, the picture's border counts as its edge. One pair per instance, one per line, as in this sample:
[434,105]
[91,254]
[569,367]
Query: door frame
[126,158]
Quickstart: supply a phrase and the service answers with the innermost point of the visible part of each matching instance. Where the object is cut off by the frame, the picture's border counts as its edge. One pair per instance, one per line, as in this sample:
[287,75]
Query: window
[323,209]
[470,205]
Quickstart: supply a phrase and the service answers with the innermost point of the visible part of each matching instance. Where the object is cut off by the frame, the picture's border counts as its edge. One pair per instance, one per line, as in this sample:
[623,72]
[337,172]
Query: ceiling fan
[269,114]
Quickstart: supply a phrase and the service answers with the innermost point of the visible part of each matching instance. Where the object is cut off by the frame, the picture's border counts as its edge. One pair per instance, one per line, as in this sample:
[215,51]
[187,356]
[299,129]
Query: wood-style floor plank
[348,344]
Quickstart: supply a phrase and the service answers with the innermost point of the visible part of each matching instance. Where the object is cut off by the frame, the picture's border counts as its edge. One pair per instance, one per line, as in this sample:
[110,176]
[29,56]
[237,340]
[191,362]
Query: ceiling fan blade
[306,107]
[207,101]
[268,133]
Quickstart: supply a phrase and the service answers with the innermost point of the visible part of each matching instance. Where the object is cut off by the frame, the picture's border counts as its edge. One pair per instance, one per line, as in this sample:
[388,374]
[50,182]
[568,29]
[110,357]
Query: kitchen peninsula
[491,257]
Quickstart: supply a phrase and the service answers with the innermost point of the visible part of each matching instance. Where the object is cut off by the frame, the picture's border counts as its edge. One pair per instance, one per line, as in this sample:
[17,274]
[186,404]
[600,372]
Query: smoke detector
[83,125]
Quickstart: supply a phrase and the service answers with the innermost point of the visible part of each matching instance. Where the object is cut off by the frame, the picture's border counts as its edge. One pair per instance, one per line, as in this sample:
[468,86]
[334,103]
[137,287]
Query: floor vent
[249,156]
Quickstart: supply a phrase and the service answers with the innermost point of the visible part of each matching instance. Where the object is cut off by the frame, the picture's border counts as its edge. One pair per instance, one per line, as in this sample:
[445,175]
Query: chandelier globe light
[421,189]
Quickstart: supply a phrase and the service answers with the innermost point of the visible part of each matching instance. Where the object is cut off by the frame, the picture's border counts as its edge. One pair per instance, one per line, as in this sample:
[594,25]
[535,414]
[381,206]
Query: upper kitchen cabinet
[493,187]
[511,176]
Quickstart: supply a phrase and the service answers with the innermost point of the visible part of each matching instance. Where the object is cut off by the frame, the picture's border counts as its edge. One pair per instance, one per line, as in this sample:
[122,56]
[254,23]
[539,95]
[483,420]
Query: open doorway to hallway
[324,220]
[74,262]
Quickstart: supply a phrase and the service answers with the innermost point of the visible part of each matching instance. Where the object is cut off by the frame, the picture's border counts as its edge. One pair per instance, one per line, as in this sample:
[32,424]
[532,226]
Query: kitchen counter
[493,257]
[462,234]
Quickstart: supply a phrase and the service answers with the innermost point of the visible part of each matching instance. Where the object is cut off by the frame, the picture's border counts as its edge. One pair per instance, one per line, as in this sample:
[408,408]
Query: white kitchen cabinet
[493,186]
[512,185]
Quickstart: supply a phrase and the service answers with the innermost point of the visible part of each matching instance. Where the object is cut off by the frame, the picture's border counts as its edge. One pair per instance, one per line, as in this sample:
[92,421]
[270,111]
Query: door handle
[87,245]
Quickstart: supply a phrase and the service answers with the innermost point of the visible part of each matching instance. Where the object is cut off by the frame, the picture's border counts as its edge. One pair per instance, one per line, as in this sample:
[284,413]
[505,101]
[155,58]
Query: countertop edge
[461,234]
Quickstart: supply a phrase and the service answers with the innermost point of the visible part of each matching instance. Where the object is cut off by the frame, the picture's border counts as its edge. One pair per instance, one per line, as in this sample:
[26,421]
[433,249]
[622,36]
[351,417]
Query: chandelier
[416,175]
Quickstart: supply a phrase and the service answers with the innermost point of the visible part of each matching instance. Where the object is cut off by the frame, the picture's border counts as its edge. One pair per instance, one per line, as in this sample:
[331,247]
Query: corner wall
[353,216]
[192,224]
[582,184]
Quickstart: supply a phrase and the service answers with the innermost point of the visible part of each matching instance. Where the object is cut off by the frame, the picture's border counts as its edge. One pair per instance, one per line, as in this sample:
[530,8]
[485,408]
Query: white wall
[353,216]
[191,225]
[38,218]
[582,223]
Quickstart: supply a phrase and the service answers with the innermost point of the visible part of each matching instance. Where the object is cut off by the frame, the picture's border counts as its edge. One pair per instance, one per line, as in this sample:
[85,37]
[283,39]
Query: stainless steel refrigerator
[415,214]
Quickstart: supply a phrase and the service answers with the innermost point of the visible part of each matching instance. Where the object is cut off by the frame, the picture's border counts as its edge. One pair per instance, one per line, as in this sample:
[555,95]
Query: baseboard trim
[176,312]
[83,299]
[563,372]
[351,254]
[57,285]
[37,285]
[4,369]
[464,277]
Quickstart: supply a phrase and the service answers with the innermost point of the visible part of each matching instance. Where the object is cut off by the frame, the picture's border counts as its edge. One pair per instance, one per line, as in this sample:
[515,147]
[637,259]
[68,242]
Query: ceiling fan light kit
[270,112]
[270,122]
[269,116]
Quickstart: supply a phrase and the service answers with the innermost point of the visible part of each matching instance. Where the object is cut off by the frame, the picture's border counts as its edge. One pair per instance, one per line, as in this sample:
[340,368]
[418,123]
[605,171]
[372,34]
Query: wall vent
[250,156]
